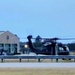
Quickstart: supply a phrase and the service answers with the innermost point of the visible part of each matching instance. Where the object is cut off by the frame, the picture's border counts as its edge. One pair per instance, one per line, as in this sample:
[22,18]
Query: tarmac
[37,65]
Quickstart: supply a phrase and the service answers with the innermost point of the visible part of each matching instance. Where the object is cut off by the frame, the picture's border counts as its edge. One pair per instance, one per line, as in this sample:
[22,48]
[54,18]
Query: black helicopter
[51,47]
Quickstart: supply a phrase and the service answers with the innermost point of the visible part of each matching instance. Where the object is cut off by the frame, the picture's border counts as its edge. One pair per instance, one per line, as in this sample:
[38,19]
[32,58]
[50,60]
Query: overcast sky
[47,18]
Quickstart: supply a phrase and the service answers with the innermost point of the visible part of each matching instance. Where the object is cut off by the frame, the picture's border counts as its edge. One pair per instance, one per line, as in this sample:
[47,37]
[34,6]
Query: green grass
[37,71]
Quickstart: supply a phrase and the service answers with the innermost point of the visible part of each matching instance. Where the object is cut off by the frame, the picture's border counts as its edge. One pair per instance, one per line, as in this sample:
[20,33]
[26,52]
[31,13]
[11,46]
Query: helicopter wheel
[66,59]
[63,58]
[69,59]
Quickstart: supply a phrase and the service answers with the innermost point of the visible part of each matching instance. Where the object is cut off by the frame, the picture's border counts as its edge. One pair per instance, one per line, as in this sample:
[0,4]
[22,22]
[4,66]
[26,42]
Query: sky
[47,18]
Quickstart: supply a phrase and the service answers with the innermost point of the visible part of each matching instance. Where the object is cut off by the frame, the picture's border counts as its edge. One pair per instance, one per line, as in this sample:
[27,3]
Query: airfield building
[9,42]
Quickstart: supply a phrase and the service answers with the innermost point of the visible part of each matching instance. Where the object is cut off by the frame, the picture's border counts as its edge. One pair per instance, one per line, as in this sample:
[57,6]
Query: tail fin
[30,42]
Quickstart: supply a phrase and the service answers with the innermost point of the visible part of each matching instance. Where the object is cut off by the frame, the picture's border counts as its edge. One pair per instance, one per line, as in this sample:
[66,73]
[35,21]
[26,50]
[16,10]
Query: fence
[57,57]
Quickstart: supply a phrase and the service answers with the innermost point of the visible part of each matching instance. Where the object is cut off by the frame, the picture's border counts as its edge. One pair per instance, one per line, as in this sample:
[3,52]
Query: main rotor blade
[55,38]
[66,38]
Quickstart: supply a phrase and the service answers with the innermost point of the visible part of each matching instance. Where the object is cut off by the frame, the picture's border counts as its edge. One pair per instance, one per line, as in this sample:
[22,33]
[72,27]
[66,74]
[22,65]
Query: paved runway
[37,65]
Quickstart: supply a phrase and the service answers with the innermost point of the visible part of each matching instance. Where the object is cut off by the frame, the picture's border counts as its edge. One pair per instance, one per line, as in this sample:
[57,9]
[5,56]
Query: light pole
[27,49]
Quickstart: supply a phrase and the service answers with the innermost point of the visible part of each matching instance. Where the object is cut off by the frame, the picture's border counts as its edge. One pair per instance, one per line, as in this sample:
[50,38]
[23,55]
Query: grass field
[37,71]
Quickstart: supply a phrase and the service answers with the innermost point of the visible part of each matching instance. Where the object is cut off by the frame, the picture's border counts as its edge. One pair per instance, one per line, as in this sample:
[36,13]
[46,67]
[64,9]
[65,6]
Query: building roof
[1,32]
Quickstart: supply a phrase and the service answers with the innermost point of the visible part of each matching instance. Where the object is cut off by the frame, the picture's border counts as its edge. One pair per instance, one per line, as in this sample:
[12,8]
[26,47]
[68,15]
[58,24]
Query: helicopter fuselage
[51,49]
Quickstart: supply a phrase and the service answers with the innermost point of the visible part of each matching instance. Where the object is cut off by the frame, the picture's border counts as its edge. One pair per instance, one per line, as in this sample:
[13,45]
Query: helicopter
[50,47]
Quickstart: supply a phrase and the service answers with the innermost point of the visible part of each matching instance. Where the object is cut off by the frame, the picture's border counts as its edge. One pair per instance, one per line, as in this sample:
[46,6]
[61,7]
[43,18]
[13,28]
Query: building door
[1,48]
[14,48]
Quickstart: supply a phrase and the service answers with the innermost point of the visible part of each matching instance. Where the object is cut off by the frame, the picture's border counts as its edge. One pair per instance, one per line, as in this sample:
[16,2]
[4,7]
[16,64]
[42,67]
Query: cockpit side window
[67,48]
[61,49]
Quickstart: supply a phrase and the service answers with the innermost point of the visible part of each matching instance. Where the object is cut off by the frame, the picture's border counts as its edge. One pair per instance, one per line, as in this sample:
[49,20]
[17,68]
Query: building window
[7,48]
[7,37]
[1,46]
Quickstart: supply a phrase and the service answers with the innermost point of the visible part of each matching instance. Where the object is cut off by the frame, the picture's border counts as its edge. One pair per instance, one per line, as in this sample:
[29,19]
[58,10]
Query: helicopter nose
[29,36]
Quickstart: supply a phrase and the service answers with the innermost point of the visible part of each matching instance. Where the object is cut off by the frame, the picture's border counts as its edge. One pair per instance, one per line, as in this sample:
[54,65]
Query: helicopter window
[61,49]
[47,43]
[67,48]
